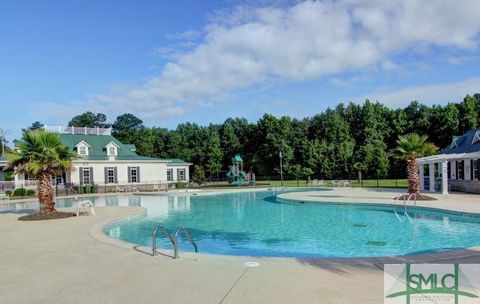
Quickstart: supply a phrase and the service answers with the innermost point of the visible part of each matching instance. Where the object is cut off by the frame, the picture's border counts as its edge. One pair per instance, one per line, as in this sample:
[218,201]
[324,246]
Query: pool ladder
[405,203]
[173,240]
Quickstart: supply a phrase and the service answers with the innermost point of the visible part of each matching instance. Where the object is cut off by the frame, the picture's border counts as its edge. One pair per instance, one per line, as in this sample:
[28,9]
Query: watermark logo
[431,283]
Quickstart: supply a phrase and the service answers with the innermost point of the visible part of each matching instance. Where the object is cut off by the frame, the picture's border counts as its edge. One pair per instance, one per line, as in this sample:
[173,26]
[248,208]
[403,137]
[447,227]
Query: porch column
[444,177]
[422,178]
[431,171]
[453,169]
[17,180]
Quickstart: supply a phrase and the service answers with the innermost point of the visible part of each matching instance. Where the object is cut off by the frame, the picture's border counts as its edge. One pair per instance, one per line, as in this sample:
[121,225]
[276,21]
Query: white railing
[78,130]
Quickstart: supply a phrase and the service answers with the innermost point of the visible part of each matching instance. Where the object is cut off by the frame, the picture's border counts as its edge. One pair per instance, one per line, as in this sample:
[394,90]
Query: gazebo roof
[447,157]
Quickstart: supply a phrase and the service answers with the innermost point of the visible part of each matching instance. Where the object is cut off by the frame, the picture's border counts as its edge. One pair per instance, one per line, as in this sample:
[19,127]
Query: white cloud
[254,45]
[428,94]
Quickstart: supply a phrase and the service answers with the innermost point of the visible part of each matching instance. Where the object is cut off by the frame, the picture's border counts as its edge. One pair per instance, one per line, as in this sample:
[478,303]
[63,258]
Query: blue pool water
[256,224]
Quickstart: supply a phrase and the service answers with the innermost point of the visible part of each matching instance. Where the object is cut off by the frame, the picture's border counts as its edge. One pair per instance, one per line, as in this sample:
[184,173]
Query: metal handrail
[414,197]
[187,235]
[154,238]
[401,195]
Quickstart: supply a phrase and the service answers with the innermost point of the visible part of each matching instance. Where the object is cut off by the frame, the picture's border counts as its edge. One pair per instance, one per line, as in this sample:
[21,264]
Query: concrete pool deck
[71,261]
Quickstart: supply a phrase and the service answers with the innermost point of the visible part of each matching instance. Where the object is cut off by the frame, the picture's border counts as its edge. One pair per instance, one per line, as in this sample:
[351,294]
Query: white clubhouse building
[105,161]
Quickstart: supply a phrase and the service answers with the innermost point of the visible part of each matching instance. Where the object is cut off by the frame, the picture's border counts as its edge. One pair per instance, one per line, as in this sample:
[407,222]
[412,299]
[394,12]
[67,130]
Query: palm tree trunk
[45,193]
[413,177]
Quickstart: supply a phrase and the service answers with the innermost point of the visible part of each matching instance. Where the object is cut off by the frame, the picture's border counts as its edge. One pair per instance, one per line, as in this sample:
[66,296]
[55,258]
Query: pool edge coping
[97,232]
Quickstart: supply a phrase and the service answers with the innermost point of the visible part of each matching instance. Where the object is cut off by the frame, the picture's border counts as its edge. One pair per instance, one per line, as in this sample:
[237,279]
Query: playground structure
[235,175]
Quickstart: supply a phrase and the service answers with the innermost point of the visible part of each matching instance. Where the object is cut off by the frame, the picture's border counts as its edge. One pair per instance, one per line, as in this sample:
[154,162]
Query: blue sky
[204,61]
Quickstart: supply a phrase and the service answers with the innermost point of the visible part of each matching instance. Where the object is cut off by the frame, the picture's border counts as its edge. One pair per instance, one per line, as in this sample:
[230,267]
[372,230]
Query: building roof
[467,143]
[97,150]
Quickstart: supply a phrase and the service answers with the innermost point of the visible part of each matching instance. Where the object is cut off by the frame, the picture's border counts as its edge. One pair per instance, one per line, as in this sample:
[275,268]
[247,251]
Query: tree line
[326,145]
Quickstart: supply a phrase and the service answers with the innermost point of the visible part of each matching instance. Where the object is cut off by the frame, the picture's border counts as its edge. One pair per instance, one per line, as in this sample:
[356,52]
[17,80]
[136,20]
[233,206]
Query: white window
[134,175]
[110,175]
[169,175]
[82,150]
[181,175]
[87,179]
[112,150]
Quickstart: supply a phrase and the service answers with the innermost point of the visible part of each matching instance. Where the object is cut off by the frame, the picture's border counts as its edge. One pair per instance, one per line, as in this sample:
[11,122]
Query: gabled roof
[83,143]
[464,143]
[112,143]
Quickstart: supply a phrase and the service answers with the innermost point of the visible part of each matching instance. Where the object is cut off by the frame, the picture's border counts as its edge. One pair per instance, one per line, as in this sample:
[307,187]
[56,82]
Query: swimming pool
[255,223]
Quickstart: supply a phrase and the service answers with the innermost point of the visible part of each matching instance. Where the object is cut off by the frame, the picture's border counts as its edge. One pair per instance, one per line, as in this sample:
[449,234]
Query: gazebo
[456,168]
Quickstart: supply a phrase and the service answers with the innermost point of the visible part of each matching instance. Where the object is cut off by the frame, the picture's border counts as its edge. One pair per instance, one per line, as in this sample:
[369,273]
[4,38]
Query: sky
[169,62]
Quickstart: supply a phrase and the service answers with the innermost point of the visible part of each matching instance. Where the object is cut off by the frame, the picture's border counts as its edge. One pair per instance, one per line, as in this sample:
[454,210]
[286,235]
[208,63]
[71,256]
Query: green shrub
[20,192]
[199,175]
[30,192]
[95,189]
[87,188]
[9,192]
[79,189]
[180,185]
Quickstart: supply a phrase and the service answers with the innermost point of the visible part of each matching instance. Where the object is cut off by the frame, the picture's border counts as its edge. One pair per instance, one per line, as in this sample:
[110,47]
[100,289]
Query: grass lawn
[370,183]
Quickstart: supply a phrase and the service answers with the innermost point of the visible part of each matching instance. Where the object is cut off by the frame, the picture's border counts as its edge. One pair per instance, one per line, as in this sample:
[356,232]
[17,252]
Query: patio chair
[85,207]
[120,189]
[335,183]
[320,182]
[4,197]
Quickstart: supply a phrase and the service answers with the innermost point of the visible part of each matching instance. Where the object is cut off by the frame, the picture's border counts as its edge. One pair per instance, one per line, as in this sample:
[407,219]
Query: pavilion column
[431,171]
[444,177]
[422,177]
[453,169]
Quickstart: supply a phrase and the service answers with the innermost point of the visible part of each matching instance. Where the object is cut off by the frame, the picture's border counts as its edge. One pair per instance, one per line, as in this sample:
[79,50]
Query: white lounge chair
[120,189]
[85,207]
[4,197]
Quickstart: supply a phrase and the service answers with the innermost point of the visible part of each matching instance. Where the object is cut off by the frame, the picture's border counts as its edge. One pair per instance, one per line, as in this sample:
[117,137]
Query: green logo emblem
[420,282]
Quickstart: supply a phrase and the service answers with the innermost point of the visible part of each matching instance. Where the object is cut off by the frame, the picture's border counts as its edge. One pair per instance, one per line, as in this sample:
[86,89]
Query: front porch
[450,172]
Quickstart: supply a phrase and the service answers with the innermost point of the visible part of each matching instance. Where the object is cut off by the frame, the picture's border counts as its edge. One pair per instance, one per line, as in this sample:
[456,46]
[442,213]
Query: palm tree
[409,148]
[42,154]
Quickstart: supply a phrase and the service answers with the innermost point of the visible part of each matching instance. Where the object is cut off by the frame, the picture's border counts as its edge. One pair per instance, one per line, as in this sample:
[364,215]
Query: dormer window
[82,148]
[112,149]
[453,144]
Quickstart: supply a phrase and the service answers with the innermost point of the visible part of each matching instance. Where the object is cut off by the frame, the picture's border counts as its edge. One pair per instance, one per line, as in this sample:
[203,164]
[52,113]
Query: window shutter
[138,174]
[81,175]
[178,174]
[106,174]
[91,176]
[129,173]
[115,174]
